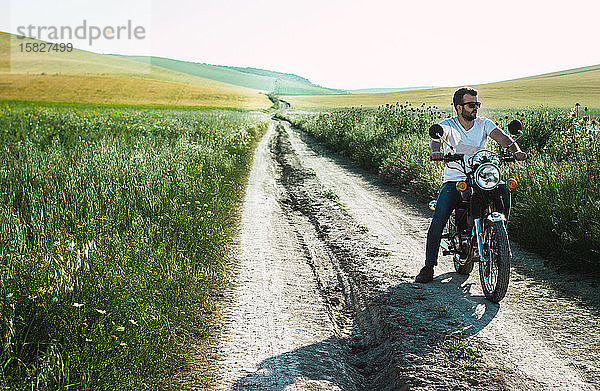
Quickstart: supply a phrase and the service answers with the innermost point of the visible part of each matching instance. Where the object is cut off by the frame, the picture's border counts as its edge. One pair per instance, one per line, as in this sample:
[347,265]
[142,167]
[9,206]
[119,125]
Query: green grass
[469,356]
[330,195]
[556,209]
[115,231]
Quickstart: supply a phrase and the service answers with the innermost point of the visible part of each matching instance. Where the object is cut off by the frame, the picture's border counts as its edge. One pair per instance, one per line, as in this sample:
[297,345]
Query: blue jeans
[446,202]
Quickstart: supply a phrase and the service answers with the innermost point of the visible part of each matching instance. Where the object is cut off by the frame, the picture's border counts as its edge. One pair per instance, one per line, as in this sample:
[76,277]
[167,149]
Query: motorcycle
[476,230]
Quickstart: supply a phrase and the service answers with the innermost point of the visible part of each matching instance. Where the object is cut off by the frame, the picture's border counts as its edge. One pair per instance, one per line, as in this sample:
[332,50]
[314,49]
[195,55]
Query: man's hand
[436,156]
[520,155]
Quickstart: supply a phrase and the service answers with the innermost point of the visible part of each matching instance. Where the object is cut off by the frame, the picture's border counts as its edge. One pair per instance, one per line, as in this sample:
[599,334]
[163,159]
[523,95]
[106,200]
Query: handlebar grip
[448,158]
[457,157]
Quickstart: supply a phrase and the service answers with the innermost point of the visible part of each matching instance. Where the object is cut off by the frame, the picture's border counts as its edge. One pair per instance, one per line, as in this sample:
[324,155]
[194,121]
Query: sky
[343,44]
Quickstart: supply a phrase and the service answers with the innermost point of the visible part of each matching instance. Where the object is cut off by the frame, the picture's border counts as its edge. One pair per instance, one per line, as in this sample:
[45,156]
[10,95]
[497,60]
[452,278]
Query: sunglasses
[471,105]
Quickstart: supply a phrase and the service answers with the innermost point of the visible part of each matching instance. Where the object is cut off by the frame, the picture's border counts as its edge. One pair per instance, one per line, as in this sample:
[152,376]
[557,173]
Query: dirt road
[324,298]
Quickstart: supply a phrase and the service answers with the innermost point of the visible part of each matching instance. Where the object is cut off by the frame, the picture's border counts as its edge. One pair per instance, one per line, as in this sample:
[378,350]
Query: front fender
[496,216]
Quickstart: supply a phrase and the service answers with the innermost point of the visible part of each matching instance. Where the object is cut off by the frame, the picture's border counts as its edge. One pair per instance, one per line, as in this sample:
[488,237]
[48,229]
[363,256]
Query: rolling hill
[556,89]
[82,76]
[385,90]
[258,79]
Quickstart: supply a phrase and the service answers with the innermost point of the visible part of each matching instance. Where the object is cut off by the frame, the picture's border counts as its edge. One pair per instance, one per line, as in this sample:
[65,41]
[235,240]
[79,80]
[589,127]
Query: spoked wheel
[494,271]
[461,265]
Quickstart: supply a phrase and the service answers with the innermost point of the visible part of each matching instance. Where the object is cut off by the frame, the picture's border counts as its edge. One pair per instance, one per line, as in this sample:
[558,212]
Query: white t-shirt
[464,141]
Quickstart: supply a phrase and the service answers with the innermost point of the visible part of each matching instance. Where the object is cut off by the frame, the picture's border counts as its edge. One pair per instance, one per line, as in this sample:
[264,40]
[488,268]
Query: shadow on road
[309,363]
[403,338]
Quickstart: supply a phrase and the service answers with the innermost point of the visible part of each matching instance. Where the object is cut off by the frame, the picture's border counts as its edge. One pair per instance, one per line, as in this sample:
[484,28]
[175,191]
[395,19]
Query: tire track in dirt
[395,342]
[277,332]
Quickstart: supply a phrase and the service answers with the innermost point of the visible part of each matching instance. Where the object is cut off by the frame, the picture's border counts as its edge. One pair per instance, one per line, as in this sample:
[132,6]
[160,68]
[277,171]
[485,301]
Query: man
[467,133]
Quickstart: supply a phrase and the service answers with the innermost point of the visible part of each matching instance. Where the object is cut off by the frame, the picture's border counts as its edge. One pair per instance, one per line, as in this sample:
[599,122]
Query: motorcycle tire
[494,273]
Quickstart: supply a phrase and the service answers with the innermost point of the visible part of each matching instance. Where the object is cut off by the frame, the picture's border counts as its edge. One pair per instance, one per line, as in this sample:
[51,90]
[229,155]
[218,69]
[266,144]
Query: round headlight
[487,176]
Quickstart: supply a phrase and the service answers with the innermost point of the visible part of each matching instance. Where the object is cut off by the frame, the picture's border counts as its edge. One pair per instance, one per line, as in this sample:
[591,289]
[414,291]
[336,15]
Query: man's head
[465,103]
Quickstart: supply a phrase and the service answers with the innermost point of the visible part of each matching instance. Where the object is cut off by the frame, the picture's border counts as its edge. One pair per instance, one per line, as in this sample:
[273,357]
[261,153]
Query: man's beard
[469,116]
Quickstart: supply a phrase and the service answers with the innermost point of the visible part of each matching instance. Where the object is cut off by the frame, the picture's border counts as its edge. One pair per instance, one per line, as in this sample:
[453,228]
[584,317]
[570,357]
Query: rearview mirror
[515,127]
[436,131]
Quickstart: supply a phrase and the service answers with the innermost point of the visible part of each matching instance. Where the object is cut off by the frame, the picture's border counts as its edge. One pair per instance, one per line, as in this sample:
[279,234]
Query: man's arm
[505,140]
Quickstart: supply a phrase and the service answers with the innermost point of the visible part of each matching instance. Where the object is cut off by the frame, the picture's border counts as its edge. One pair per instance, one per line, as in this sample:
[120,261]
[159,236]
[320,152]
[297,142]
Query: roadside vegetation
[115,229]
[557,207]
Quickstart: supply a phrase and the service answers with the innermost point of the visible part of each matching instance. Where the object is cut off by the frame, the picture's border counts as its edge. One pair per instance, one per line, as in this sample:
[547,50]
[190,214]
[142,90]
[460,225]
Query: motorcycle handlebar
[449,158]
[508,157]
[457,157]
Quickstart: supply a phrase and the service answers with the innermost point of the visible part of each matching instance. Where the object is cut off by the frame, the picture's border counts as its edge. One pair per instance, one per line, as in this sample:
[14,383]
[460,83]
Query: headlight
[487,176]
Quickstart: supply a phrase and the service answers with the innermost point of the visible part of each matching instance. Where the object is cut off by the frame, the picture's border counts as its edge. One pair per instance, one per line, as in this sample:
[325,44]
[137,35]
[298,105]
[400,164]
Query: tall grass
[114,234]
[557,207]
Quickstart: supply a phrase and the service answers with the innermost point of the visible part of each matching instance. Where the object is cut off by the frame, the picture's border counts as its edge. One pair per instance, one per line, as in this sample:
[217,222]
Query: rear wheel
[494,271]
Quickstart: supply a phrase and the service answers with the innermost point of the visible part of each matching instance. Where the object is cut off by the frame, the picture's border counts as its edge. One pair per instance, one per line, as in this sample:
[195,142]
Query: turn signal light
[461,186]
[511,183]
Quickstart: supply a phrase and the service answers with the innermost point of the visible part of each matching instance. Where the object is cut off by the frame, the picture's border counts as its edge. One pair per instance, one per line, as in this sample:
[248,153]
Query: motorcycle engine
[461,243]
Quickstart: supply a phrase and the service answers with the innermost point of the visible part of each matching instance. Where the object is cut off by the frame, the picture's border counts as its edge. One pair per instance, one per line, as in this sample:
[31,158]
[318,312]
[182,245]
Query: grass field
[560,89]
[115,230]
[122,89]
[556,209]
[82,76]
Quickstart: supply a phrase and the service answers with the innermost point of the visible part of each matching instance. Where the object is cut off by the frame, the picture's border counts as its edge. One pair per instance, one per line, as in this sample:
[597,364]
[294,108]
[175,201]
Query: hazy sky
[345,44]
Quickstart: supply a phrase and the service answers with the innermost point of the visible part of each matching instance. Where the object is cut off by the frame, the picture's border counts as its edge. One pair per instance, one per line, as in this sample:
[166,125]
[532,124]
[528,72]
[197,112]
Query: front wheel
[494,271]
